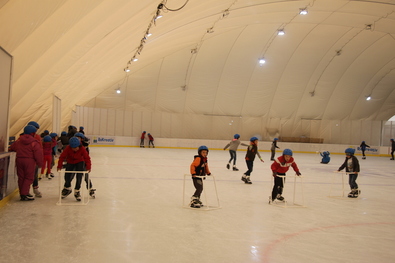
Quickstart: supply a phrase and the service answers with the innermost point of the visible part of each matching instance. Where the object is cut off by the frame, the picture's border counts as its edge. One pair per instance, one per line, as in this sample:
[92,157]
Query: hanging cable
[173,10]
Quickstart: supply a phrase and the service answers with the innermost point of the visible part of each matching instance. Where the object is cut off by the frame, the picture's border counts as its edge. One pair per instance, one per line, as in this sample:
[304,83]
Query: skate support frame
[206,205]
[84,192]
[336,174]
[286,204]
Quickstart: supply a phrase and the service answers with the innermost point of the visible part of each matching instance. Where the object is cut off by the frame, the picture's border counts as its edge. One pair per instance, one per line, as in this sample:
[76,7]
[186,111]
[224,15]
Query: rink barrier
[83,190]
[285,203]
[206,205]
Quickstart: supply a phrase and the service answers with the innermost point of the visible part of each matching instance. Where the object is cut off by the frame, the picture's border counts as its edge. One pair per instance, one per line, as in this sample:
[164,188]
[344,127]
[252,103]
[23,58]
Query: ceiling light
[135,59]
[368,98]
[262,61]
[126,69]
[118,91]
[280,32]
[368,27]
[149,34]
[303,11]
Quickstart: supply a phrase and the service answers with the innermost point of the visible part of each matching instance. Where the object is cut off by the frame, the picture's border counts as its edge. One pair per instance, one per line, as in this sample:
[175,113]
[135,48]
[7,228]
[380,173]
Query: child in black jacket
[352,168]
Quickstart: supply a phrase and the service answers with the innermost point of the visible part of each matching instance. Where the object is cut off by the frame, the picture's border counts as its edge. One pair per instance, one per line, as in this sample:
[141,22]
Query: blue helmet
[363,141]
[63,133]
[53,134]
[29,129]
[392,139]
[236,136]
[349,151]
[47,138]
[287,152]
[35,124]
[81,127]
[275,139]
[79,134]
[74,142]
[253,139]
[326,153]
[201,148]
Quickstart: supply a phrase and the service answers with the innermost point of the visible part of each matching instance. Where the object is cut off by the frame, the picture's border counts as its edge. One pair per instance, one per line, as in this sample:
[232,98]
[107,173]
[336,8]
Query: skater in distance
[252,150]
[233,145]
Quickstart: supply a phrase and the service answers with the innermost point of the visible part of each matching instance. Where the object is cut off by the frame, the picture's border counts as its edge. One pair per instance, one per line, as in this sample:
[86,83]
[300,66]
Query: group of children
[34,152]
[150,140]
[199,168]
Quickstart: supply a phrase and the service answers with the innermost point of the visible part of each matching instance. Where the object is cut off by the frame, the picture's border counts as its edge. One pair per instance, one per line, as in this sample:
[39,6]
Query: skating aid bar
[285,203]
[83,190]
[206,207]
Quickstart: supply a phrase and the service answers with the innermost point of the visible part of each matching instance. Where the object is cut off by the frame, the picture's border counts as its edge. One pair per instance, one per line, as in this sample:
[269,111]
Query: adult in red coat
[29,153]
[279,167]
[77,159]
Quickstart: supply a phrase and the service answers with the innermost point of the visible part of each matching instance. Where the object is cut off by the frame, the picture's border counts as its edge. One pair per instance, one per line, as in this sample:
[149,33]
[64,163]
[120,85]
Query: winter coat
[281,166]
[199,166]
[73,157]
[28,147]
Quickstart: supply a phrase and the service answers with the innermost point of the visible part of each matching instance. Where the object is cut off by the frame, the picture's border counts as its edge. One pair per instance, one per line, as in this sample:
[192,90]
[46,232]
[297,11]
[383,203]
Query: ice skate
[77,195]
[66,192]
[49,177]
[195,203]
[247,180]
[280,198]
[351,194]
[235,168]
[243,178]
[40,176]
[356,193]
[52,175]
[28,197]
[392,159]
[228,166]
[364,157]
[92,193]
[37,193]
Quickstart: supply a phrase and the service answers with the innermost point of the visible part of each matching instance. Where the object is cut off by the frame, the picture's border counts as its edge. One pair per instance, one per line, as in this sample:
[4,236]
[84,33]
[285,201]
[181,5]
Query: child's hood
[27,139]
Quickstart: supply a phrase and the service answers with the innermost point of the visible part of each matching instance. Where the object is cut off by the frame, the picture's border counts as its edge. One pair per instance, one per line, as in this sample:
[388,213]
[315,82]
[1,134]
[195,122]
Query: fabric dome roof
[203,58]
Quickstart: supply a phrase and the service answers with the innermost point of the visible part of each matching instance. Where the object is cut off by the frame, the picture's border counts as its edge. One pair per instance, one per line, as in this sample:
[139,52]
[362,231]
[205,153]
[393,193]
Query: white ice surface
[137,215]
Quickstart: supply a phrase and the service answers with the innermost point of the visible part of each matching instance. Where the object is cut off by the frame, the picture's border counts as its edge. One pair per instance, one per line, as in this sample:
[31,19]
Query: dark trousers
[363,152]
[142,143]
[198,183]
[232,156]
[273,153]
[68,177]
[250,166]
[151,143]
[352,178]
[278,186]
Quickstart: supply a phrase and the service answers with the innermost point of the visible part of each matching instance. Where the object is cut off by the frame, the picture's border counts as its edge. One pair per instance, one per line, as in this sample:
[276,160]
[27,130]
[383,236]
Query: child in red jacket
[47,144]
[77,159]
[29,154]
[279,167]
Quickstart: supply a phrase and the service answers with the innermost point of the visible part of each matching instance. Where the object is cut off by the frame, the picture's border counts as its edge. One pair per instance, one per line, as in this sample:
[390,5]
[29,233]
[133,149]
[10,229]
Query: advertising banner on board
[103,140]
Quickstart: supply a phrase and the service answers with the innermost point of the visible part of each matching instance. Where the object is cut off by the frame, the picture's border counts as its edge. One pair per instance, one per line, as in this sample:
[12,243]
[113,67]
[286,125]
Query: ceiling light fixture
[368,98]
[281,32]
[126,69]
[303,11]
[262,61]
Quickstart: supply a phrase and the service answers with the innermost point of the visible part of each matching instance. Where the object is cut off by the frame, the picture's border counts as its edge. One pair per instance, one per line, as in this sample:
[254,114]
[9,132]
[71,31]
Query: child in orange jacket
[199,167]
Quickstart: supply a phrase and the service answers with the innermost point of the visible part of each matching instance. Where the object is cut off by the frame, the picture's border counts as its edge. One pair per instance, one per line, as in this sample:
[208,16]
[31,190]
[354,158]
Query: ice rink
[138,216]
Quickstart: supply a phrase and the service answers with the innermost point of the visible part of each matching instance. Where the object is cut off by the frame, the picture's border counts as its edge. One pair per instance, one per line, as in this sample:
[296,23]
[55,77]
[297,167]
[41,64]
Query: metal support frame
[285,203]
[83,190]
[206,206]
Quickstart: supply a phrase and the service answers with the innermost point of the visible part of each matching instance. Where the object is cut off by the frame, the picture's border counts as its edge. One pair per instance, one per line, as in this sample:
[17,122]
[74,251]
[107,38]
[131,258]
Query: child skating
[233,145]
[199,167]
[325,157]
[351,164]
[252,150]
[363,149]
[273,148]
[279,167]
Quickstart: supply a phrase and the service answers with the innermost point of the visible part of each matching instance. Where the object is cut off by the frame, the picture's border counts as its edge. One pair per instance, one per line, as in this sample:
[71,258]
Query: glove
[274,174]
[298,174]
